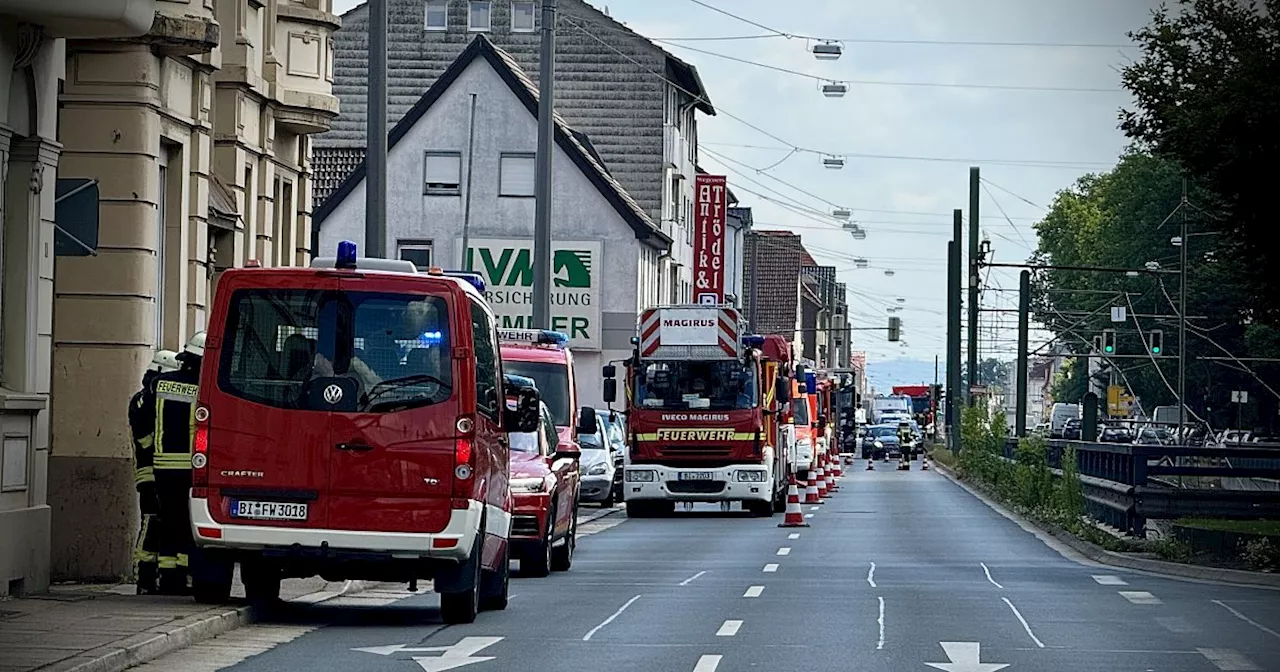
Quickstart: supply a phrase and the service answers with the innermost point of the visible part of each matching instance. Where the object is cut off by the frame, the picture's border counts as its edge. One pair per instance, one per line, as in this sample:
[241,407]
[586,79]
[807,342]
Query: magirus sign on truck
[507,268]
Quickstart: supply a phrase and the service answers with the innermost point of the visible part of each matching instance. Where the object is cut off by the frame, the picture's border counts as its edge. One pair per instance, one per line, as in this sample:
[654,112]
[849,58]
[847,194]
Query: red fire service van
[351,423]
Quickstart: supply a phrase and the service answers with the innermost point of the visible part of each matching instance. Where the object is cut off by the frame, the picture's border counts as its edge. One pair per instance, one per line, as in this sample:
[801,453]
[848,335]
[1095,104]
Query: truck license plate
[268,510]
[695,475]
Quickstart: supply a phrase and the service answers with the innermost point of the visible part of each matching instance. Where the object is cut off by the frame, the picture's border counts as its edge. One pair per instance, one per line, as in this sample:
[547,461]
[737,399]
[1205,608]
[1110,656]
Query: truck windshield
[720,385]
[552,381]
[391,348]
[800,410]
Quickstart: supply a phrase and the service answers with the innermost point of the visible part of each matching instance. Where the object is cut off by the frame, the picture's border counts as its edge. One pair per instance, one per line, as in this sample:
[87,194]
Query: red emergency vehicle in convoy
[703,413]
[351,423]
[804,417]
[544,531]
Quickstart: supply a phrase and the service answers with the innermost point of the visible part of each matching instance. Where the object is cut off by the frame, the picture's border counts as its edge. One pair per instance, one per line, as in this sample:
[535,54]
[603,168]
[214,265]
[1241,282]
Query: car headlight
[879,444]
[598,469]
[752,476]
[641,476]
[537,484]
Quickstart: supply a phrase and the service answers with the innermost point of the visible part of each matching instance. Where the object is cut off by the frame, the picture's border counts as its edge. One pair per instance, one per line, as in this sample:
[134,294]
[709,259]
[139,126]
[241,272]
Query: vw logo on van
[332,394]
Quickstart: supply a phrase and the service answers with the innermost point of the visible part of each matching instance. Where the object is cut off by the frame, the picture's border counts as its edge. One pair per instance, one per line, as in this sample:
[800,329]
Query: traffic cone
[794,516]
[821,478]
[835,464]
[871,464]
[811,490]
[924,463]
[831,474]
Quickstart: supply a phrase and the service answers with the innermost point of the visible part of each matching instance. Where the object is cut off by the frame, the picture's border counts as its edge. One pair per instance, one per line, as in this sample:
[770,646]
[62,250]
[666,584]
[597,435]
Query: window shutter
[518,176]
[443,171]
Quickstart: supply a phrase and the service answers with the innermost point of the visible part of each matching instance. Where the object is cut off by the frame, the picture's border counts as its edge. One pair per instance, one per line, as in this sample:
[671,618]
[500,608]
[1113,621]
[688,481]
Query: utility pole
[1182,318]
[974,185]
[542,187]
[954,284]
[375,158]
[1020,385]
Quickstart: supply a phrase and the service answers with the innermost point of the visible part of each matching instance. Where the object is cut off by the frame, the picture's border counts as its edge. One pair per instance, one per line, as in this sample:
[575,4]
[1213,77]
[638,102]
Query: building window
[417,251]
[516,175]
[522,17]
[437,15]
[479,17]
[443,174]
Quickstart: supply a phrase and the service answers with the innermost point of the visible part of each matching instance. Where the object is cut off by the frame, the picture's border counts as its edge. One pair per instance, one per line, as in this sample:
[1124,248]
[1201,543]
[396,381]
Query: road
[898,570]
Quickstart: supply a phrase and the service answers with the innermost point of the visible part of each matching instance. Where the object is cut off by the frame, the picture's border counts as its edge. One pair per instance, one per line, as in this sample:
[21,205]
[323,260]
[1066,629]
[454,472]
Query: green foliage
[991,371]
[1173,549]
[1071,494]
[1070,383]
[1262,555]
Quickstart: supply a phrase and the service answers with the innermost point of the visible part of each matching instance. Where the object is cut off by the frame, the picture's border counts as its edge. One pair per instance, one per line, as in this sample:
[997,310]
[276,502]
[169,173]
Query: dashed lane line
[793,535]
[591,633]
[880,621]
[785,550]
[692,578]
[728,628]
[871,575]
[1023,621]
[987,571]
[771,567]
[707,663]
[1140,597]
[1227,659]
[1246,619]
[808,515]
[1109,580]
[754,591]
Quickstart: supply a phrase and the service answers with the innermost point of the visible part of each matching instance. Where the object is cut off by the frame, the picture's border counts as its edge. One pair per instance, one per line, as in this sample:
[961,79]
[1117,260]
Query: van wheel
[760,508]
[495,586]
[462,606]
[261,581]
[562,556]
[211,579]
[538,563]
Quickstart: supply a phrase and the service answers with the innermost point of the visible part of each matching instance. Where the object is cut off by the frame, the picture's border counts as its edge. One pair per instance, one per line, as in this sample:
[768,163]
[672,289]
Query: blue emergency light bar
[536,336]
[810,382]
[430,338]
[475,279]
[346,255]
[753,341]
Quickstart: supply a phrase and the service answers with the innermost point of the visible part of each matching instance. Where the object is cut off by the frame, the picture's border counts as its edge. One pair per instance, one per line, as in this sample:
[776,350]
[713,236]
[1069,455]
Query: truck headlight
[641,476]
[752,476]
[598,469]
[537,484]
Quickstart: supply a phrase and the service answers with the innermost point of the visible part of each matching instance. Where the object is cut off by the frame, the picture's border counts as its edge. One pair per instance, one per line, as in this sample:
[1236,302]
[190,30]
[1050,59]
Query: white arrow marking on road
[450,656]
[965,658]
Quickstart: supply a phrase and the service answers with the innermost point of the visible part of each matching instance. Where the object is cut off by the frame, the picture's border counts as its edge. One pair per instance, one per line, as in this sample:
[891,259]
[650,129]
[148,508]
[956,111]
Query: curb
[603,513]
[1101,555]
[170,637]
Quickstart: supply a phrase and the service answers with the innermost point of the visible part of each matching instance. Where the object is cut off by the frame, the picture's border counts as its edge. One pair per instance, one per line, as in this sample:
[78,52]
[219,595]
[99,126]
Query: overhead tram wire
[1013,163]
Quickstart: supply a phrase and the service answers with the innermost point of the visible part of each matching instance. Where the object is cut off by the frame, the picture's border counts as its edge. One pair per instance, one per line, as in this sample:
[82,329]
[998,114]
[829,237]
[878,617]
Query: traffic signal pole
[1020,385]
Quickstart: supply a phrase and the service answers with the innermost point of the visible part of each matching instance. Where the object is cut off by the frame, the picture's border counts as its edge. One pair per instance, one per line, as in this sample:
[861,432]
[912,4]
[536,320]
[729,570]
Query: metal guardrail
[1126,484]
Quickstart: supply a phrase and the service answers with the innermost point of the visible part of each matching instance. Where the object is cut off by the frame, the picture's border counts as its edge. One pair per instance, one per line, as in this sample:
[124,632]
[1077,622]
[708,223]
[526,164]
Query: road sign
[1240,396]
[1118,314]
[450,657]
[965,658]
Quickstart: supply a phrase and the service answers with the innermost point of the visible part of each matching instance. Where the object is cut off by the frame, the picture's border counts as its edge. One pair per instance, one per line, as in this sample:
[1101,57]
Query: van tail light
[463,461]
[200,449]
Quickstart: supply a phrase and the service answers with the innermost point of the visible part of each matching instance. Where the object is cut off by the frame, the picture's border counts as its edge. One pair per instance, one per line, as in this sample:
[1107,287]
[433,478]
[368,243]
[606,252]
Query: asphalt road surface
[899,571]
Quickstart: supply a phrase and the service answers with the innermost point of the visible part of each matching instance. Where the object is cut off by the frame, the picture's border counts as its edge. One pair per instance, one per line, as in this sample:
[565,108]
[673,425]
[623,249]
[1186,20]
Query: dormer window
[479,16]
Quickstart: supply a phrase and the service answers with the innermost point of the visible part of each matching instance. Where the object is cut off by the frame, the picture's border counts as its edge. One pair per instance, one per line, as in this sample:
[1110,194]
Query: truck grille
[713,452]
[524,526]
[695,487]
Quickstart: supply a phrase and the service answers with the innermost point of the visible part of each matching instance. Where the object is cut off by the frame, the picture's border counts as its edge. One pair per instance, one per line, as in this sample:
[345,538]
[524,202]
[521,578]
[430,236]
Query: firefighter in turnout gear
[175,407]
[142,426]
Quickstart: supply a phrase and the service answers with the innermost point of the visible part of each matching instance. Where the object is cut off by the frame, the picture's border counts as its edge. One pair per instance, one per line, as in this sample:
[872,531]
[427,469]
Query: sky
[907,148]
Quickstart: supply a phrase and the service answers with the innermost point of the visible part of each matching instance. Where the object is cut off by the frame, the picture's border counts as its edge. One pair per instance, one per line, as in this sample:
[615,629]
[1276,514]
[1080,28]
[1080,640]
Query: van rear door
[391,457]
[268,447]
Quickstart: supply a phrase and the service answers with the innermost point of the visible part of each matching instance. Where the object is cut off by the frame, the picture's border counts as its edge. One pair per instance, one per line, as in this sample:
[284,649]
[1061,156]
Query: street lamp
[835,89]
[833,162]
[827,50]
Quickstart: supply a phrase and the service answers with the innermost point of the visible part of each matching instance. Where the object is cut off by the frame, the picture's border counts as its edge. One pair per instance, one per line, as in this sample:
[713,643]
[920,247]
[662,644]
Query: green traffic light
[1155,350]
[1109,348]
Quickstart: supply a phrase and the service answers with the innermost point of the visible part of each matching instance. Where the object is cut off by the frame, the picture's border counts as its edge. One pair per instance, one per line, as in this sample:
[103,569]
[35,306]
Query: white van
[1059,416]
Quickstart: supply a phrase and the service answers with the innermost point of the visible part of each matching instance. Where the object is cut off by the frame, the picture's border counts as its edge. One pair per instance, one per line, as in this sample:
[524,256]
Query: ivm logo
[513,267]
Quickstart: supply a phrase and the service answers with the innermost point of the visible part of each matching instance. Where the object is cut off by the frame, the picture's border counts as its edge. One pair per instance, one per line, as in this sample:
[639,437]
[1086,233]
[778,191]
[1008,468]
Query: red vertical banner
[708,239]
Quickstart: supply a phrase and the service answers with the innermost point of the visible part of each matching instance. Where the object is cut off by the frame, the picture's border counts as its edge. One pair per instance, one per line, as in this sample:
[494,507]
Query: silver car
[599,468]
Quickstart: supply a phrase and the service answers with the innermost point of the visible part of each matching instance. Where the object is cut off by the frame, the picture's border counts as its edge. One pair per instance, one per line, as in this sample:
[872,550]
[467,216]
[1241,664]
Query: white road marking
[1109,580]
[880,620]
[1246,619]
[988,573]
[813,508]
[728,629]
[871,575]
[707,664]
[692,578]
[1023,621]
[607,621]
[1227,659]
[1177,624]
[771,567]
[754,591]
[808,515]
[1140,597]
[785,550]
[793,535]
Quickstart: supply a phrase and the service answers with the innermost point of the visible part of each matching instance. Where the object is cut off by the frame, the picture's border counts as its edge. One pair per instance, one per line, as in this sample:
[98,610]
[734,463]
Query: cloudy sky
[921,108]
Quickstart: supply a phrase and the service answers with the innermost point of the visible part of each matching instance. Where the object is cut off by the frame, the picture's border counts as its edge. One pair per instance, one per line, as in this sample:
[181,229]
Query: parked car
[616,433]
[599,470]
[1154,436]
[545,480]
[1071,429]
[1116,435]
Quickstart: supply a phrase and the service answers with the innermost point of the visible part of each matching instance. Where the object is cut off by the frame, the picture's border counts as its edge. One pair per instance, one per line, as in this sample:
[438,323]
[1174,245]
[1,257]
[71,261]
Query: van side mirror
[587,421]
[527,415]
[782,389]
[610,390]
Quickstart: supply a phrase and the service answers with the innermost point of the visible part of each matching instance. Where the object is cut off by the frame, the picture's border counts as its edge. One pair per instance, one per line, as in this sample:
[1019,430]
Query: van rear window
[390,350]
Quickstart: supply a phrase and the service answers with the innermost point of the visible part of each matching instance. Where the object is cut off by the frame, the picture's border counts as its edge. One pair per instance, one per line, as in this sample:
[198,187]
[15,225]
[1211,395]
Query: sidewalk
[96,628]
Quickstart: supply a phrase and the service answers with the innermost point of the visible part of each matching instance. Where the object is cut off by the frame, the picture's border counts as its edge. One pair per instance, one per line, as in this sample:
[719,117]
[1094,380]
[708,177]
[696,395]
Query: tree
[1206,97]
[991,371]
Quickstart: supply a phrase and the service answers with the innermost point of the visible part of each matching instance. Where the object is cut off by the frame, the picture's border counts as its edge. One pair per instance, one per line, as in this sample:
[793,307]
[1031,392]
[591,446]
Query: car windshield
[590,441]
[719,385]
[883,431]
[552,381]
[304,349]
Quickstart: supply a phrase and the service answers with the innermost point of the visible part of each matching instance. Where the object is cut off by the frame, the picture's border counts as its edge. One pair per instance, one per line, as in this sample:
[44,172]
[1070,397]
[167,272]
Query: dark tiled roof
[743,215]
[772,271]
[524,89]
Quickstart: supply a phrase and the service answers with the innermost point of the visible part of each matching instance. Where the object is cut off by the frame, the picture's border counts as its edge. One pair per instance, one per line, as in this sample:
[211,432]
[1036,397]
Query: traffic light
[1156,341]
[895,329]
[1109,341]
